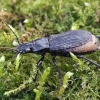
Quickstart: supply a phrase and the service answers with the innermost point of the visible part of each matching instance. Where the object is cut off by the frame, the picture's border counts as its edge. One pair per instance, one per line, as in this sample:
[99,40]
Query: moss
[32,19]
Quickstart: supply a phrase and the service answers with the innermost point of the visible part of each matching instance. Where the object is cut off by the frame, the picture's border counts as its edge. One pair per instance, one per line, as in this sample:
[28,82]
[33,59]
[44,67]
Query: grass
[32,19]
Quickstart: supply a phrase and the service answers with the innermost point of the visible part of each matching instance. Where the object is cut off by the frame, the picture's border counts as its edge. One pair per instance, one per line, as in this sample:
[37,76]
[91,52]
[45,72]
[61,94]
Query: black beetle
[75,41]
[78,42]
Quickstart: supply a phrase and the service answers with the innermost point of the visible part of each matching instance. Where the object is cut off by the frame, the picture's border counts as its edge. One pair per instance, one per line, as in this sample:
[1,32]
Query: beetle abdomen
[69,40]
[88,47]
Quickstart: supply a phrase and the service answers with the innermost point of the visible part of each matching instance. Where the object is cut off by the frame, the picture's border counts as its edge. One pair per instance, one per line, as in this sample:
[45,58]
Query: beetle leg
[57,68]
[40,61]
[80,56]
[39,64]
[98,37]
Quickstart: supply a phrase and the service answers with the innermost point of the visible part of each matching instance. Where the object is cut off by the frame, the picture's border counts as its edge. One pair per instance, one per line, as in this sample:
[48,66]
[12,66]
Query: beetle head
[24,48]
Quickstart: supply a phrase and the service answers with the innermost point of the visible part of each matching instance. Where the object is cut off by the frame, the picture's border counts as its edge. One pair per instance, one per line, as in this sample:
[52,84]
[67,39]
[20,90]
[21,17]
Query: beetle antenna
[7,48]
[11,30]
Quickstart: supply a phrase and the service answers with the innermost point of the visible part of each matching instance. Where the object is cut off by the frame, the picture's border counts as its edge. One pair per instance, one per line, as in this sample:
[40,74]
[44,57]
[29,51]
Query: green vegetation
[31,19]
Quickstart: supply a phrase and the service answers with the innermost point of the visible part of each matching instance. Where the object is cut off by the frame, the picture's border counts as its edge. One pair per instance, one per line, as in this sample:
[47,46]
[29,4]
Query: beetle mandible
[79,42]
